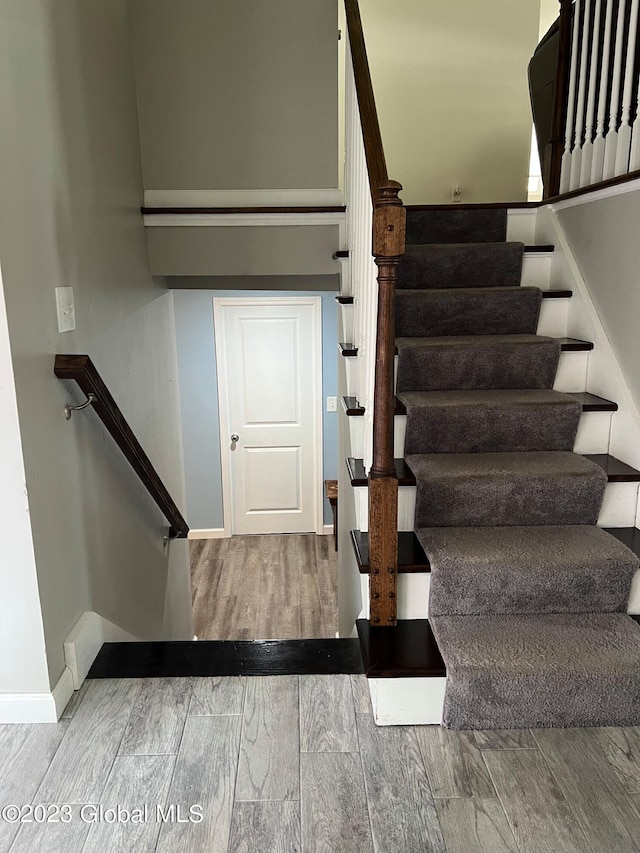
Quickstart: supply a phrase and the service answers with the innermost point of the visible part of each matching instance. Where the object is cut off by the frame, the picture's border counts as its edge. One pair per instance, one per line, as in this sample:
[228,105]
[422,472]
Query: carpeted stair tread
[467,311]
[456,226]
[550,670]
[490,421]
[461,265]
[468,362]
[498,489]
[550,569]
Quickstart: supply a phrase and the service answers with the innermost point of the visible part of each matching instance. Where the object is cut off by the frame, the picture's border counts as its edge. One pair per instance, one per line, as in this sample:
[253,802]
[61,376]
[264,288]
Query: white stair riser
[407,701]
[553,319]
[356,433]
[351,374]
[346,313]
[406,507]
[619,507]
[521,225]
[634,598]
[572,372]
[413,595]
[594,430]
[536,270]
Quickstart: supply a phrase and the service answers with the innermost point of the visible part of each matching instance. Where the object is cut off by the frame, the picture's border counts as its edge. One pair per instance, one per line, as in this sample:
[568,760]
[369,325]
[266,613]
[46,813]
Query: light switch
[66,309]
[332,404]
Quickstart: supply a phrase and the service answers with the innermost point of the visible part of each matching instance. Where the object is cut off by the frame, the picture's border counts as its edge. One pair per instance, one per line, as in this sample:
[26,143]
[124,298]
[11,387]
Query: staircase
[527,596]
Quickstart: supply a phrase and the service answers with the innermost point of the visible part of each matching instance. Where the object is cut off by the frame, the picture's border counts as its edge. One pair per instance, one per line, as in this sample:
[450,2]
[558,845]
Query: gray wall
[70,191]
[237,94]
[256,250]
[604,240]
[199,399]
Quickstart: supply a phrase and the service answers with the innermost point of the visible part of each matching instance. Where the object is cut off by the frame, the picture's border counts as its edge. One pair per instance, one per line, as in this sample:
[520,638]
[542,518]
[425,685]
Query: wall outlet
[456,193]
[66,309]
[332,404]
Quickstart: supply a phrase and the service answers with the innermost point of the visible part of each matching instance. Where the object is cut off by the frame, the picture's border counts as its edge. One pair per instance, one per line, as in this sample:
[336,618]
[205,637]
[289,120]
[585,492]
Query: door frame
[222,372]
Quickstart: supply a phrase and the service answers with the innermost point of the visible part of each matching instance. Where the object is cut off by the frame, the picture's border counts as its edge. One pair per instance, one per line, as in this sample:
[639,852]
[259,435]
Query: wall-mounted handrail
[386,237]
[81,369]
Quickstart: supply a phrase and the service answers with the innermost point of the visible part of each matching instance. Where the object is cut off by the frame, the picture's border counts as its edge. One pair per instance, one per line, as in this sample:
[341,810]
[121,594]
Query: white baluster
[565,173]
[597,165]
[587,146]
[576,156]
[624,132]
[611,140]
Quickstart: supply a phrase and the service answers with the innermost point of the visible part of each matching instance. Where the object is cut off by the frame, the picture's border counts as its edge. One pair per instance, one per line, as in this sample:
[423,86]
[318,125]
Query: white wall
[450,78]
[23,663]
[603,236]
[70,192]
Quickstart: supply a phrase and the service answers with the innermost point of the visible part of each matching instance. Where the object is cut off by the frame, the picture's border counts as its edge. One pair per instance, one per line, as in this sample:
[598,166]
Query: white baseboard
[86,639]
[209,533]
[37,707]
[327,530]
[244,198]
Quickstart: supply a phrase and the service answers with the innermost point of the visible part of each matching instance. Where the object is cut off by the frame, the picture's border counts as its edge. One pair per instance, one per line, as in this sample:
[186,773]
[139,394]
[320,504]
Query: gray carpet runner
[527,595]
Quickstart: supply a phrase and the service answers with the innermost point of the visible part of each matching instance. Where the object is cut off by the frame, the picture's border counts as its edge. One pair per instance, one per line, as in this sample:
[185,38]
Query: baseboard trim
[327,530]
[18,708]
[244,198]
[87,637]
[209,533]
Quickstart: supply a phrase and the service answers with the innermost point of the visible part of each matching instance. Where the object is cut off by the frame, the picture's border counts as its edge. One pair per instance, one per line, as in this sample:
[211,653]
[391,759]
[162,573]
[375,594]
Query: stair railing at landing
[596,119]
[81,369]
[376,233]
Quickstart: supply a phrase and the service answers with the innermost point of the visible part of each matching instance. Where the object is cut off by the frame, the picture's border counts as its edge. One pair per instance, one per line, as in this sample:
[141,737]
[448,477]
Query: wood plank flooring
[285,764]
[276,587]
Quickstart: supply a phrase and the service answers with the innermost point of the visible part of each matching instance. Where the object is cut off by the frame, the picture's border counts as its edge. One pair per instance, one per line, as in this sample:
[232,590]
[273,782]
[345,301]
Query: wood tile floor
[282,587]
[296,763]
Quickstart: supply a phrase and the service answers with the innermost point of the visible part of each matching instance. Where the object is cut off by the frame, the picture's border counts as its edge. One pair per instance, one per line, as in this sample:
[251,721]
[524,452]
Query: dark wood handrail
[374,151]
[388,246]
[552,166]
[81,369]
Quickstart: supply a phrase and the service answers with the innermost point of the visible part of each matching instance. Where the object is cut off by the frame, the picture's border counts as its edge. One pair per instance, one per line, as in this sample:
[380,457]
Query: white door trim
[222,367]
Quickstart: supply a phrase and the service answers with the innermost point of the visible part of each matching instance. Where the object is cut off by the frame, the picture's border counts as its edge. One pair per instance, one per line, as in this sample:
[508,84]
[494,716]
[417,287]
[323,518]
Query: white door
[269,355]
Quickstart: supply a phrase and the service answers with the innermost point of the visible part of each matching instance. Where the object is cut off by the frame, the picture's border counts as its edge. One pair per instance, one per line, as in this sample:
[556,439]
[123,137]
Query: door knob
[235,437]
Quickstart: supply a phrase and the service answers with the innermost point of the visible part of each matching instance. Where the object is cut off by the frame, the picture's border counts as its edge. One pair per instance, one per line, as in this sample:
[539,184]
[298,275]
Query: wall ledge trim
[244,198]
[587,197]
[240,220]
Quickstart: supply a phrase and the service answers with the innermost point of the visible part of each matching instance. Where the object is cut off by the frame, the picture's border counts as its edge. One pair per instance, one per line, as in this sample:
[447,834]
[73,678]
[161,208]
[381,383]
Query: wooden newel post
[388,247]
[552,166]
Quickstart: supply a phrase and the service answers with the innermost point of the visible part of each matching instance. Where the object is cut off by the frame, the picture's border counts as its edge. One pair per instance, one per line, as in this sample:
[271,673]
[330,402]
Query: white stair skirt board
[521,225]
[209,533]
[407,701]
[536,270]
[37,707]
[594,431]
[86,639]
[413,595]
[572,372]
[406,507]
[553,318]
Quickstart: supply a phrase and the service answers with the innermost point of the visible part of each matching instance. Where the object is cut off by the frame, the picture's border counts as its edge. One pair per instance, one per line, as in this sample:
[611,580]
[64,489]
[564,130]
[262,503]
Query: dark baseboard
[217,658]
